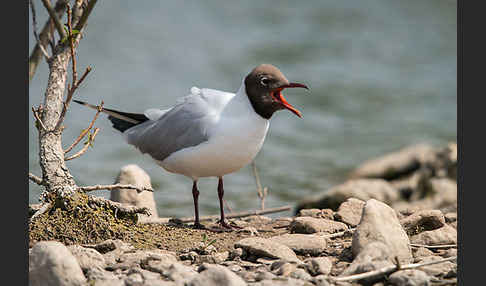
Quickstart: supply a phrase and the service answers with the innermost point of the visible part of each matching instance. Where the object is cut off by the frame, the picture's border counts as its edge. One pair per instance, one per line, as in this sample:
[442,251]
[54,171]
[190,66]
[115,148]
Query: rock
[99,274]
[300,274]
[302,243]
[379,222]
[362,189]
[350,211]
[87,257]
[111,245]
[444,235]
[395,164]
[410,277]
[216,275]
[317,213]
[143,258]
[282,268]
[318,265]
[313,225]
[235,253]
[264,275]
[375,255]
[134,279]
[111,282]
[179,273]
[450,217]
[134,175]
[282,281]
[438,269]
[421,252]
[51,263]
[215,258]
[445,192]
[423,220]
[261,247]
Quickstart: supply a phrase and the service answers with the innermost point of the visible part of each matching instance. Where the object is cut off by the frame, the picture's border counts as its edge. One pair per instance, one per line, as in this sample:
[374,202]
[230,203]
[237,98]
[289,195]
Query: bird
[208,133]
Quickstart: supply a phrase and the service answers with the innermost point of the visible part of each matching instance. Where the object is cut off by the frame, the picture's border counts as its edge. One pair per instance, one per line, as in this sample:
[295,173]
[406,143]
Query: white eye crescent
[264,81]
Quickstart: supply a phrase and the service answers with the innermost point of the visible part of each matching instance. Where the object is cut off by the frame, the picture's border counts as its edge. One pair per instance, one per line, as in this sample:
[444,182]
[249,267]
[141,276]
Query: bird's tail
[121,120]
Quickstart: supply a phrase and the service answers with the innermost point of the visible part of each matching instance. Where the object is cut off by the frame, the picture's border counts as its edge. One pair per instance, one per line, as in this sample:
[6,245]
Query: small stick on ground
[233,215]
[387,270]
[40,211]
[434,246]
[113,187]
[118,207]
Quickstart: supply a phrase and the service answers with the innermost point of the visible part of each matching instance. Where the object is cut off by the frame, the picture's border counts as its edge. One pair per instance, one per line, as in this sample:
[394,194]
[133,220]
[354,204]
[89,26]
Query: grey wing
[185,125]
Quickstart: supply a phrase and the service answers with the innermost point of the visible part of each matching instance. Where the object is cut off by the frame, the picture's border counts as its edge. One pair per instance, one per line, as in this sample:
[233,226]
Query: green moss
[77,221]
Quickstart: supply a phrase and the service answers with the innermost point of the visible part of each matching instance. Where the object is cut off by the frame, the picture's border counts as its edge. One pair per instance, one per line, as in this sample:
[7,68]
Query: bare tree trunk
[55,174]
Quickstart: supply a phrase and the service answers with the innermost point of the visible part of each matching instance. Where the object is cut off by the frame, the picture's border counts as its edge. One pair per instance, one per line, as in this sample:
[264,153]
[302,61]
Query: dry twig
[233,215]
[40,211]
[118,207]
[91,138]
[387,270]
[113,187]
[262,193]
[36,179]
[85,131]
[37,117]
[434,246]
[55,19]
[34,27]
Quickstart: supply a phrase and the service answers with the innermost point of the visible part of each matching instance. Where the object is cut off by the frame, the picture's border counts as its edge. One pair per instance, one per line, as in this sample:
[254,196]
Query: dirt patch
[84,223]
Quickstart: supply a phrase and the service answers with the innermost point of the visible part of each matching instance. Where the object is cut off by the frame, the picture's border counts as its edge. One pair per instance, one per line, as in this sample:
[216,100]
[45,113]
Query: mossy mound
[77,221]
[83,222]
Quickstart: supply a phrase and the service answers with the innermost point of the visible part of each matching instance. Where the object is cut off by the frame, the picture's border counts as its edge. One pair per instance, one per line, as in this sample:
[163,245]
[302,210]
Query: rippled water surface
[382,75]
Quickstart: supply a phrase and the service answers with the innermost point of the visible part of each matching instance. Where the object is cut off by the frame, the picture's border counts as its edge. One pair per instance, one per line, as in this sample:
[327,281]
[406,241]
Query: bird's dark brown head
[264,85]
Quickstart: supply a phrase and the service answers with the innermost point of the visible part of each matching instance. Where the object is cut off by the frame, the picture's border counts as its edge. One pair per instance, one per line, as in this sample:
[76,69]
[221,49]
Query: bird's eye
[264,81]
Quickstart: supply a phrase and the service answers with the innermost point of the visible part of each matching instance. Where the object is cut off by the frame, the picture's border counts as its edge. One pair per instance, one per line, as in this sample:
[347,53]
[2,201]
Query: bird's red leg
[222,222]
[195,196]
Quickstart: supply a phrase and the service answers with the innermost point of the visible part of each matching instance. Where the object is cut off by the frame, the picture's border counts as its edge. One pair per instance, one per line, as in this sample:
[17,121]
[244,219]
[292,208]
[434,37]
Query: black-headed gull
[209,133]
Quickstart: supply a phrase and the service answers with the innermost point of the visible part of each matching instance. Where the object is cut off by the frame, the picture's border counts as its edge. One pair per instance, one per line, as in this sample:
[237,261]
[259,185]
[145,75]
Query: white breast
[233,143]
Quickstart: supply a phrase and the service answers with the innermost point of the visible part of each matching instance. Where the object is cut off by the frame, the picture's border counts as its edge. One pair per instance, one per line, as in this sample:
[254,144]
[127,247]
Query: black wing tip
[79,101]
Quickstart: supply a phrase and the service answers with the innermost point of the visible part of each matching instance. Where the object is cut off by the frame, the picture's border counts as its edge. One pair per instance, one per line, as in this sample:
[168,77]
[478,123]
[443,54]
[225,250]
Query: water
[382,75]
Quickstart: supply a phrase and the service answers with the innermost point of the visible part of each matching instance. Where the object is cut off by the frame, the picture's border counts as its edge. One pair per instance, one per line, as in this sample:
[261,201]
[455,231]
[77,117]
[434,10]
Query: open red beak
[277,94]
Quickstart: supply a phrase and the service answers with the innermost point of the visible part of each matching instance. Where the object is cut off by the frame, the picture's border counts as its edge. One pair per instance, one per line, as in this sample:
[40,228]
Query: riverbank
[396,214]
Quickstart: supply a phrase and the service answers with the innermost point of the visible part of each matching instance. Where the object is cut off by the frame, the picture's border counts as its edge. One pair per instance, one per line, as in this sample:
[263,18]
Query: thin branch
[46,37]
[387,270]
[234,215]
[86,146]
[227,206]
[434,246]
[54,18]
[119,208]
[71,90]
[37,118]
[85,15]
[71,45]
[34,27]
[85,131]
[114,187]
[262,194]
[36,179]
[40,211]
